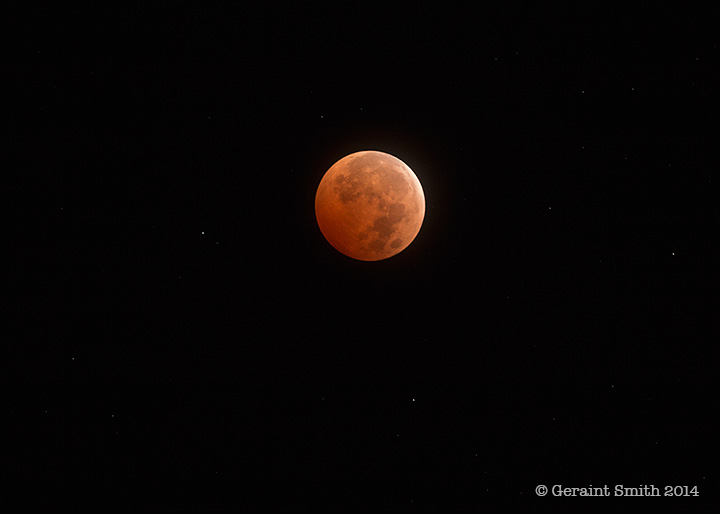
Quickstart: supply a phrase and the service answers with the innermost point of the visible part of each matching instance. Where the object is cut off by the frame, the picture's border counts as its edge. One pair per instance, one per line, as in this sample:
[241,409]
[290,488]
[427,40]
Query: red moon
[370,205]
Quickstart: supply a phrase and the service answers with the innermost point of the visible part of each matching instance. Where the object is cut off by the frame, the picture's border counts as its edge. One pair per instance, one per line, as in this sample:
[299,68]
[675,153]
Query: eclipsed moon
[370,205]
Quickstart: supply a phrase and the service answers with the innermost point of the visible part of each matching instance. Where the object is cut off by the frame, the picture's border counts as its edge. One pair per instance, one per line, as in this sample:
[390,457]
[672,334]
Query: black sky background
[177,315]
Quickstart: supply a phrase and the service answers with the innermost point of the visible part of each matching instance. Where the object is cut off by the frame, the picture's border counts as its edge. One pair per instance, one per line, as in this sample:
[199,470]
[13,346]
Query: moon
[370,205]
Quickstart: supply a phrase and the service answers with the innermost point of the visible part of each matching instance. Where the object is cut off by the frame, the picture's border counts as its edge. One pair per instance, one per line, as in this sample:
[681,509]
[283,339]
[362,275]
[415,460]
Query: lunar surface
[370,205]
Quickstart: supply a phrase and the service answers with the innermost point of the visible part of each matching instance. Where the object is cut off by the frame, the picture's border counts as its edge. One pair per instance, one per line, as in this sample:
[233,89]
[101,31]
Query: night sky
[177,316]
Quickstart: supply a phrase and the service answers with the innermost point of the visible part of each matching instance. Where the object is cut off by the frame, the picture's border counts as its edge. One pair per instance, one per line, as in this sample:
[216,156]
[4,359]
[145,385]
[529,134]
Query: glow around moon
[370,205]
